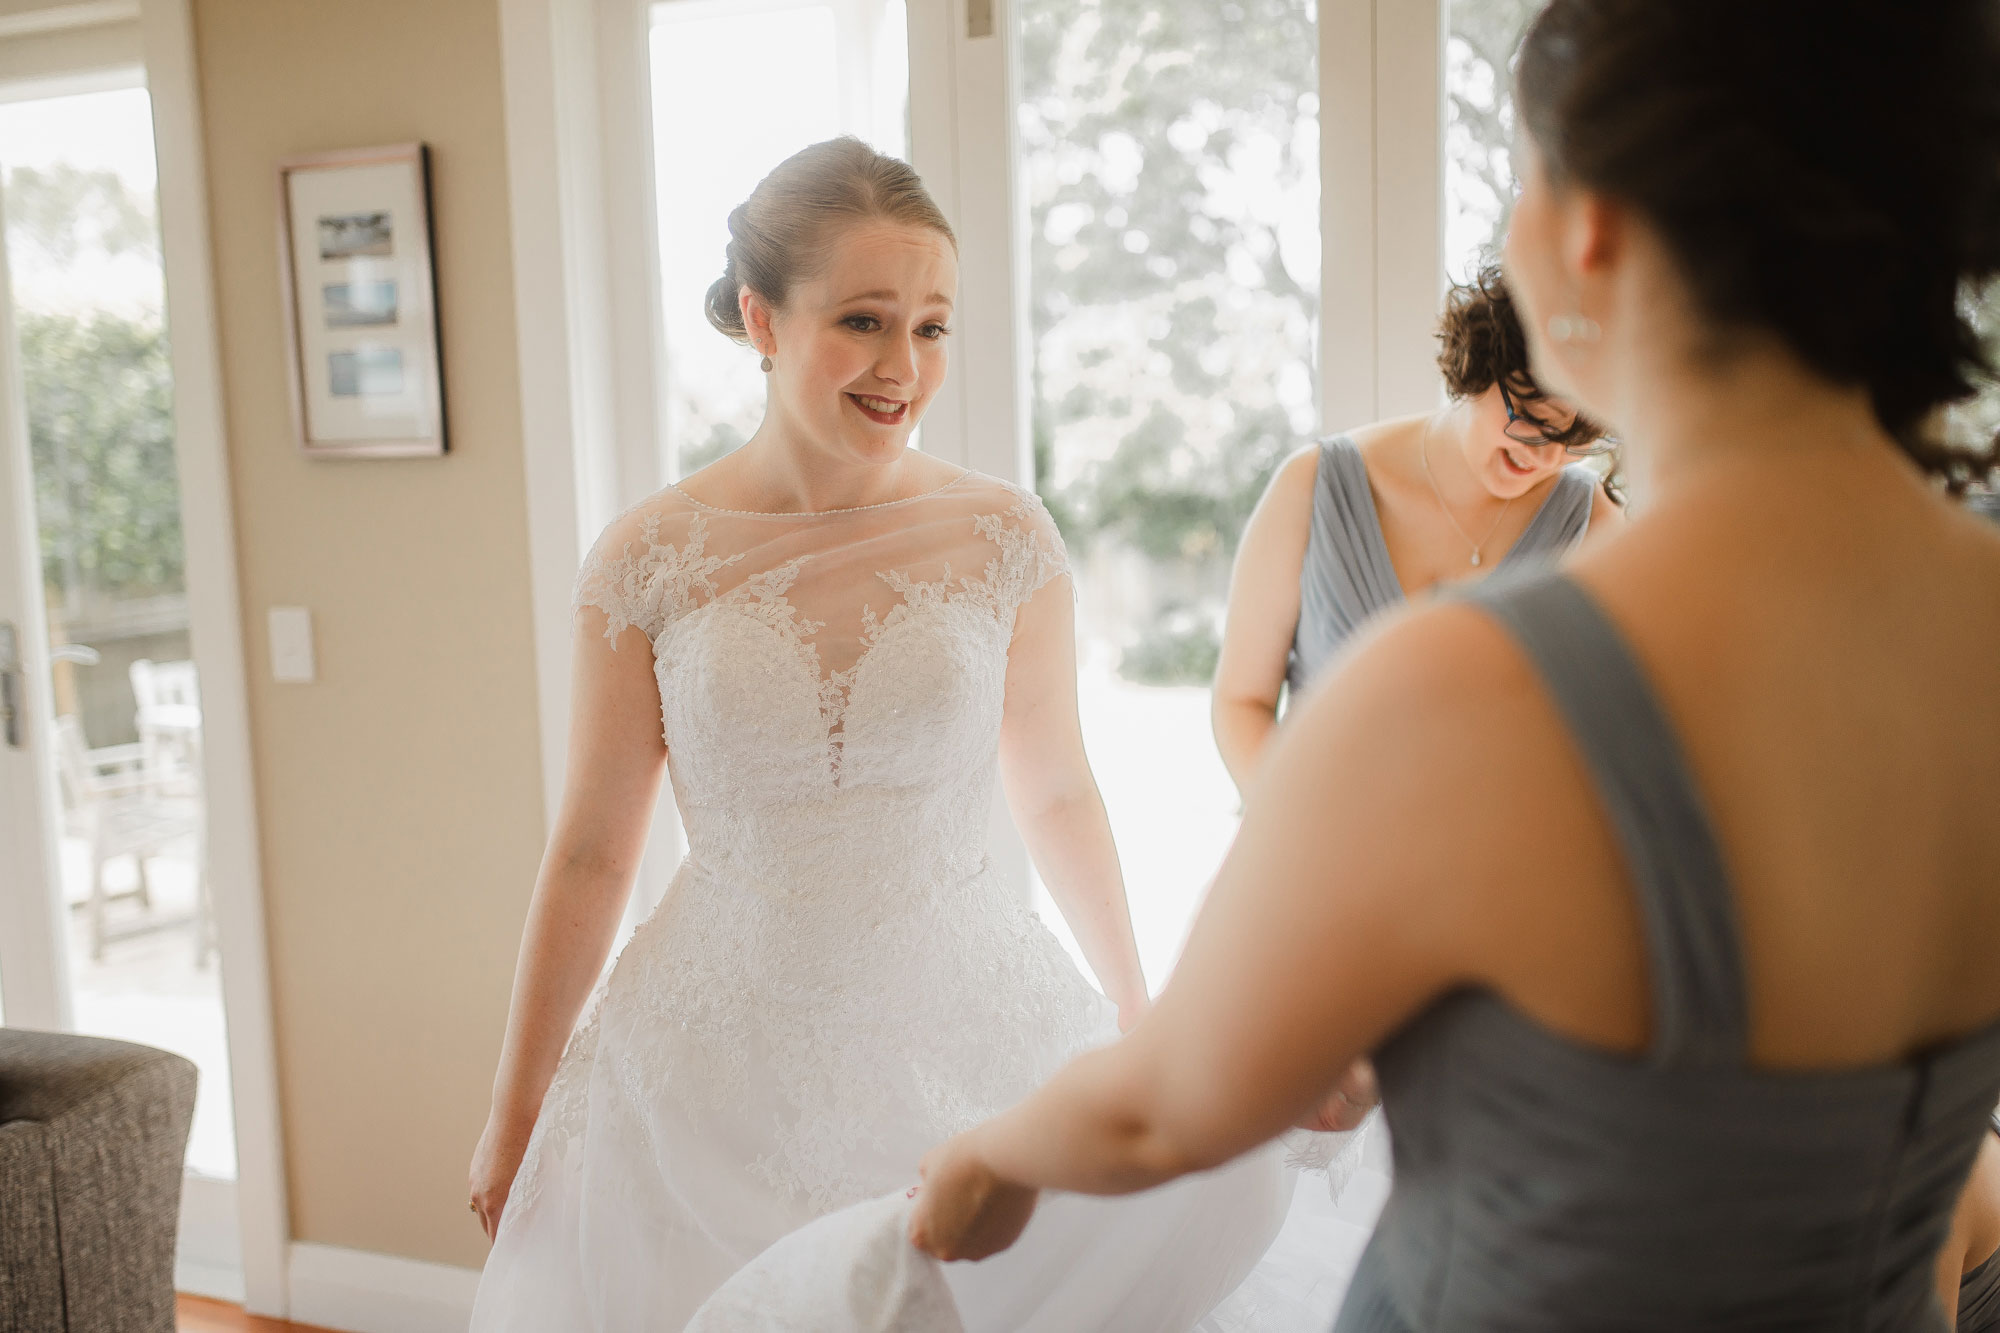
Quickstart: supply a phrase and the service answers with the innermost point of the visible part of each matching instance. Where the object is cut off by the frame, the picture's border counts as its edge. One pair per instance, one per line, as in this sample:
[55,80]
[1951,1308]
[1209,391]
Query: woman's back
[1755,1106]
[1827,660]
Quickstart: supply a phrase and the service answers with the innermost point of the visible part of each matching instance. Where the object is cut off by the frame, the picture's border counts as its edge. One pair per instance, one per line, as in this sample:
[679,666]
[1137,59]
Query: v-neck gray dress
[1545,1186]
[1348,578]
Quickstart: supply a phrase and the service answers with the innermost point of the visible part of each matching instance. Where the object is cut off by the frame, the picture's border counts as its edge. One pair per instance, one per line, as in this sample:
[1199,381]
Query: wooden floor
[197,1315]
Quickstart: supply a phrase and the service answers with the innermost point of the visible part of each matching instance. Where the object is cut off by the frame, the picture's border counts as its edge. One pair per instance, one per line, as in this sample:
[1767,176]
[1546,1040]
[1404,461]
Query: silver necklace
[1424,450]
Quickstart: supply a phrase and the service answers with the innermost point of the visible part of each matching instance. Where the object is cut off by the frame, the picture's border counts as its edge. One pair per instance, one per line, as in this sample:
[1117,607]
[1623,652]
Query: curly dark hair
[1483,345]
[1827,171]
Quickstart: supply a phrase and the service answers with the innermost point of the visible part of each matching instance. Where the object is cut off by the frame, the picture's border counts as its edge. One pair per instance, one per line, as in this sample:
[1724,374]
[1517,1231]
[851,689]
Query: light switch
[292,645]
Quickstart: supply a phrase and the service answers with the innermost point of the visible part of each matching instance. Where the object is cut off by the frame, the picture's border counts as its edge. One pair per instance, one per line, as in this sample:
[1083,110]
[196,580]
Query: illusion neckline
[820,513]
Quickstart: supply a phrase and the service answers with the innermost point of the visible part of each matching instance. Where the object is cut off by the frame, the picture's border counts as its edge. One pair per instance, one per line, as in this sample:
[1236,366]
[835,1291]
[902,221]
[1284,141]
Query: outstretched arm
[1336,917]
[1263,617]
[616,757]
[1054,798]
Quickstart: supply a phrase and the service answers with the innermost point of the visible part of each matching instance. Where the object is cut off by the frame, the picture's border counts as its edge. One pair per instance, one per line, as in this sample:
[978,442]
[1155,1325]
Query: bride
[830,643]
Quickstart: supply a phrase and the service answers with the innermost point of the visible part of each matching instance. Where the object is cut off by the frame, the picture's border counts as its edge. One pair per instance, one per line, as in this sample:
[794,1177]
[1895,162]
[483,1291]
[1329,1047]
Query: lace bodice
[831,680]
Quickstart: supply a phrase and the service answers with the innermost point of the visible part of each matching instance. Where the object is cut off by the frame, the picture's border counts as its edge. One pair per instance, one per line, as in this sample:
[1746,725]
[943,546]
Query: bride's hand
[495,1162]
[1353,1098]
[963,1210]
[1130,1012]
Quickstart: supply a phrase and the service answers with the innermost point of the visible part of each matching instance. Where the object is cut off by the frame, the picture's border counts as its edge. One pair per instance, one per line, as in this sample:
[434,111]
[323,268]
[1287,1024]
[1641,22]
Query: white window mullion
[1349,383]
[962,99]
[1409,203]
[631,240]
[1382,206]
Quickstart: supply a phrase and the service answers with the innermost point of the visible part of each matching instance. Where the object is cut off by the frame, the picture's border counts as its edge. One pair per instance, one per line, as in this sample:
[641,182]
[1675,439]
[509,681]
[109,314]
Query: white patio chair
[167,699]
[117,807]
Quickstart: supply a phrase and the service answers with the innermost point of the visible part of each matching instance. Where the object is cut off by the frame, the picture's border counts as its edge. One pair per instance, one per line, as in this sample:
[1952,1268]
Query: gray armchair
[92,1134]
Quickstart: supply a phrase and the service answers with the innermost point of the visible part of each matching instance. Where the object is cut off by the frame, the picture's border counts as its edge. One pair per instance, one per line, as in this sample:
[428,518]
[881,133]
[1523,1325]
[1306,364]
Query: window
[1169,163]
[712,144]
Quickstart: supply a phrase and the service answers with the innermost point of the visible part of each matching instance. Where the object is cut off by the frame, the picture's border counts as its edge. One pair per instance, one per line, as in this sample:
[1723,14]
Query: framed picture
[361,302]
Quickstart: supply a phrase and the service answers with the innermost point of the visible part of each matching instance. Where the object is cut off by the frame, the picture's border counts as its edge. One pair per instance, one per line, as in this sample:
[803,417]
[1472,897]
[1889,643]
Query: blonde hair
[777,237]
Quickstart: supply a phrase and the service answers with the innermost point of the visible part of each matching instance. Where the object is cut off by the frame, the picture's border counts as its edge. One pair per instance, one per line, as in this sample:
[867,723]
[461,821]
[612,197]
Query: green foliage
[100,428]
[99,396]
[1167,149]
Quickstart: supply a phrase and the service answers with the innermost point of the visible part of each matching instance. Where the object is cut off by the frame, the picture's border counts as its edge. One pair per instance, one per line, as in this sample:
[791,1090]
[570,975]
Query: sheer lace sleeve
[1031,555]
[639,575]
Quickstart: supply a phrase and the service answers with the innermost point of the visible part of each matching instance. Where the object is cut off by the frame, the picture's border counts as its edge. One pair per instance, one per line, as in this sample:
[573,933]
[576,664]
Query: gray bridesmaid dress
[1348,578]
[1541,1184]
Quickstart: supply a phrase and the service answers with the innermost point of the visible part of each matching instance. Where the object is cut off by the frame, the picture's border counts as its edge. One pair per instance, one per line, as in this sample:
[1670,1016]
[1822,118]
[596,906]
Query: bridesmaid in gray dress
[1665,887]
[1354,524]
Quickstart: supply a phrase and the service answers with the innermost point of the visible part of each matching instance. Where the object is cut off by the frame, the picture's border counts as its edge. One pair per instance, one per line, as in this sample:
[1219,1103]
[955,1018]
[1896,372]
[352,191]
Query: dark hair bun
[1825,170]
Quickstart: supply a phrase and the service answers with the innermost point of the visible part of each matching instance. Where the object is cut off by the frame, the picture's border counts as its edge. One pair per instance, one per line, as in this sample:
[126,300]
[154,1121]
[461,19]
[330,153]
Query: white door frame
[76,47]
[215,612]
[1381,74]
[34,958]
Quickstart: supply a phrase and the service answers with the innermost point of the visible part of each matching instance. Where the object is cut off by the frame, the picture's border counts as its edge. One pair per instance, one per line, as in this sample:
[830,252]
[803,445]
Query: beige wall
[399,796]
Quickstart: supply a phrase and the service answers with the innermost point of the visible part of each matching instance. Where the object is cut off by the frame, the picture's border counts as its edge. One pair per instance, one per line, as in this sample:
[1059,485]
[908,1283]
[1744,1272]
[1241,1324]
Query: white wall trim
[358,1292]
[547,150]
[1381,165]
[1409,187]
[23,17]
[54,62]
[34,957]
[1348,297]
[216,629]
[217,1282]
[208,1253]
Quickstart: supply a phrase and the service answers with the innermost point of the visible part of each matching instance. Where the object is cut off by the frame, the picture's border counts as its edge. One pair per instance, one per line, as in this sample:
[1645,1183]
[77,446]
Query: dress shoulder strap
[1346,531]
[1648,792]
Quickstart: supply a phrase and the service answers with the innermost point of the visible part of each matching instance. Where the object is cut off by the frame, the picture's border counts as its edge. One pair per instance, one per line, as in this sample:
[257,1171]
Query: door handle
[10,686]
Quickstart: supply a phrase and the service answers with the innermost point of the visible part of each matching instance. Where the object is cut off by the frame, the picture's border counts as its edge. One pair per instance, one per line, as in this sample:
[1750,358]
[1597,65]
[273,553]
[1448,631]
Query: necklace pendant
[1475,557]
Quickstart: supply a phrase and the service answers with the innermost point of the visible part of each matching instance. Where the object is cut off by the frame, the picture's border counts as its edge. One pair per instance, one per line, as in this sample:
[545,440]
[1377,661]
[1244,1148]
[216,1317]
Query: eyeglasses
[1524,429]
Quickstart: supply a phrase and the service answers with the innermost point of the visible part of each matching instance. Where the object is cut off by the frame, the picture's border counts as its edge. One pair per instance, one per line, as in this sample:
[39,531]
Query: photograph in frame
[360,293]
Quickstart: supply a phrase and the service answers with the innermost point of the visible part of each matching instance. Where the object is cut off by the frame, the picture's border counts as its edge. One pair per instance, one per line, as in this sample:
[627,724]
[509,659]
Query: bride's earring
[1574,329]
[765,365]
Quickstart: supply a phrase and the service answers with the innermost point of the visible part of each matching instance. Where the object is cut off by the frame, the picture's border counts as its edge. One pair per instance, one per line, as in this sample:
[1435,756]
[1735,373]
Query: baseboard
[358,1292]
[218,1282]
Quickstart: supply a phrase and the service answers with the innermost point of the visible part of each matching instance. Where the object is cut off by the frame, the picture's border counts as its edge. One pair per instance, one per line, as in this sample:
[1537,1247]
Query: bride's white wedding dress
[836,980]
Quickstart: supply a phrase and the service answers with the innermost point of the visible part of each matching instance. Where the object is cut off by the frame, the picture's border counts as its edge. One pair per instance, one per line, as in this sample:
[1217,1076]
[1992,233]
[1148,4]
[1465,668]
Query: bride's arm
[616,757]
[1054,798]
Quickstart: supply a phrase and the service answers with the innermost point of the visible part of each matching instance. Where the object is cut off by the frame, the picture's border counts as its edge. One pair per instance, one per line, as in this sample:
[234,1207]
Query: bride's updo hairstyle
[1827,171]
[782,234]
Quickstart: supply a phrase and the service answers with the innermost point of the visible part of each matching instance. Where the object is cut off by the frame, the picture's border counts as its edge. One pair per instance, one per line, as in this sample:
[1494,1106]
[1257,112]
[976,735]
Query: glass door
[118,712]
[1168,163]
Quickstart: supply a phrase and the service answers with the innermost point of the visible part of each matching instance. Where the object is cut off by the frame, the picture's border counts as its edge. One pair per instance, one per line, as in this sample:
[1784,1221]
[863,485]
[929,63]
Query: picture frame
[360,293]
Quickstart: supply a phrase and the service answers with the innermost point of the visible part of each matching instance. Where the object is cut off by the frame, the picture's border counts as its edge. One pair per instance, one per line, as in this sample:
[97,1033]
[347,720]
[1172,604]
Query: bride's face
[859,351]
